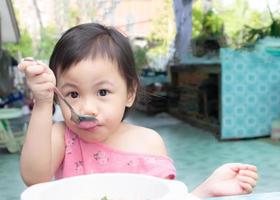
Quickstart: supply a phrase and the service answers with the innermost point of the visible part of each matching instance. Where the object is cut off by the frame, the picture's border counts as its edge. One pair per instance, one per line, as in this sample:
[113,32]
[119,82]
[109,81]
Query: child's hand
[40,79]
[229,179]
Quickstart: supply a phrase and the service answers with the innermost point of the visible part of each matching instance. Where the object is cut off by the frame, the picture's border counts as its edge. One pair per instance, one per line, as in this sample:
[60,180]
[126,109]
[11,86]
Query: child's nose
[89,107]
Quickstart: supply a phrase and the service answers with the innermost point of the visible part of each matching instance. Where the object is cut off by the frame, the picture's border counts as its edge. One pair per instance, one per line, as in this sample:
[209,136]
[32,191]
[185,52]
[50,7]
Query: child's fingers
[247,188]
[44,87]
[49,71]
[247,179]
[47,68]
[42,78]
[240,166]
[34,70]
[251,167]
[249,173]
[28,61]
[24,64]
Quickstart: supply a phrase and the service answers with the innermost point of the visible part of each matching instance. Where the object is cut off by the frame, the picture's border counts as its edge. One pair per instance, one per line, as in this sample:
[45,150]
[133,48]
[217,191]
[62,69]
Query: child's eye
[103,92]
[73,94]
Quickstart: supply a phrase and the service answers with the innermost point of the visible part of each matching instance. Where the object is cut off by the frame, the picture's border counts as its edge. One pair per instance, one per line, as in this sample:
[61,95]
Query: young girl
[93,66]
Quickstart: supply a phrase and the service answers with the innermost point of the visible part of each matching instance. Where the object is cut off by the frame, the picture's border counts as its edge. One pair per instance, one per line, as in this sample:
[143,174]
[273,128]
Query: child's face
[95,87]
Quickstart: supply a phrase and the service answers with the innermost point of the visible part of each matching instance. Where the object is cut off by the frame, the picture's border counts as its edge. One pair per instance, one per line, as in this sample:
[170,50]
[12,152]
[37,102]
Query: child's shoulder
[147,139]
[143,131]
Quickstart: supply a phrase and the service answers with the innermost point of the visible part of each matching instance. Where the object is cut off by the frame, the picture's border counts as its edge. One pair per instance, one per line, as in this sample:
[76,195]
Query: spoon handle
[62,97]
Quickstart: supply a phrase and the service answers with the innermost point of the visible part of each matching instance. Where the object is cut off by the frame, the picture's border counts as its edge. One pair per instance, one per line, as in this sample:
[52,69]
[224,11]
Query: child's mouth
[87,124]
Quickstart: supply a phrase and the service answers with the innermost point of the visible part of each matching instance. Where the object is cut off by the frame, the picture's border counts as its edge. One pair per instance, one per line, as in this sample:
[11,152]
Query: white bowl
[115,186]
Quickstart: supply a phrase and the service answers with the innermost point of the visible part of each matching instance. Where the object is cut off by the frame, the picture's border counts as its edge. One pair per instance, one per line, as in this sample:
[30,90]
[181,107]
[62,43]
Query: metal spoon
[75,117]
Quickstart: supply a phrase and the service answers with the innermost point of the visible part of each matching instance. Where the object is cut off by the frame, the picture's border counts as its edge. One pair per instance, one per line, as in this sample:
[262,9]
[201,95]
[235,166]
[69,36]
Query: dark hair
[91,40]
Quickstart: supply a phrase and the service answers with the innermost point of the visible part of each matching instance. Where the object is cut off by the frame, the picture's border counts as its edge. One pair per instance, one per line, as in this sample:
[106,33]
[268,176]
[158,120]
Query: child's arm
[229,179]
[37,162]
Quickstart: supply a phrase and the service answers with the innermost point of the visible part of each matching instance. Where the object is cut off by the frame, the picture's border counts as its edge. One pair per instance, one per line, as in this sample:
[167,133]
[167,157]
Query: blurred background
[209,69]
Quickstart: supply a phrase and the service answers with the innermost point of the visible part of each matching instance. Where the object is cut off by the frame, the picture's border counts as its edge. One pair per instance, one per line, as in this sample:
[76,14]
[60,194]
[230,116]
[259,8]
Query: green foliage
[140,57]
[197,19]
[213,24]
[242,25]
[234,16]
[208,25]
[24,47]
[48,40]
[207,31]
[163,31]
[251,34]
[274,28]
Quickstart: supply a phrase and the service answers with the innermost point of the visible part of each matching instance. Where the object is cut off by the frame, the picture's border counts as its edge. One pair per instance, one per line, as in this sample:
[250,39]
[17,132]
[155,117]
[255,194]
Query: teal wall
[250,93]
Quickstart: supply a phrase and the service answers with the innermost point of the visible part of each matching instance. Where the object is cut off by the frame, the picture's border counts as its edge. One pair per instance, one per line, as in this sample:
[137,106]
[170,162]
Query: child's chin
[90,139]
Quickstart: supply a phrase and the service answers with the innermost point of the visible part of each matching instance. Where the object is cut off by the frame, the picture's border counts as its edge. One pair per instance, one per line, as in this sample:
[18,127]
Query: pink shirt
[85,158]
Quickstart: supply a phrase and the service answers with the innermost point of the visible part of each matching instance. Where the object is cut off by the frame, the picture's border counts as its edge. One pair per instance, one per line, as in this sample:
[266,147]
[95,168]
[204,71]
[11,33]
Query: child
[93,66]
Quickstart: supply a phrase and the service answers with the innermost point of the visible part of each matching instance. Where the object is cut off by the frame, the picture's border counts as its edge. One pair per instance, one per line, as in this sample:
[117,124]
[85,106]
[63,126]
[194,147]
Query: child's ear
[131,97]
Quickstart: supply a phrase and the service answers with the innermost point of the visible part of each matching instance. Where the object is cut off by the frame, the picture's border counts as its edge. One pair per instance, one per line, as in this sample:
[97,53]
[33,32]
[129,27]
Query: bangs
[102,46]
